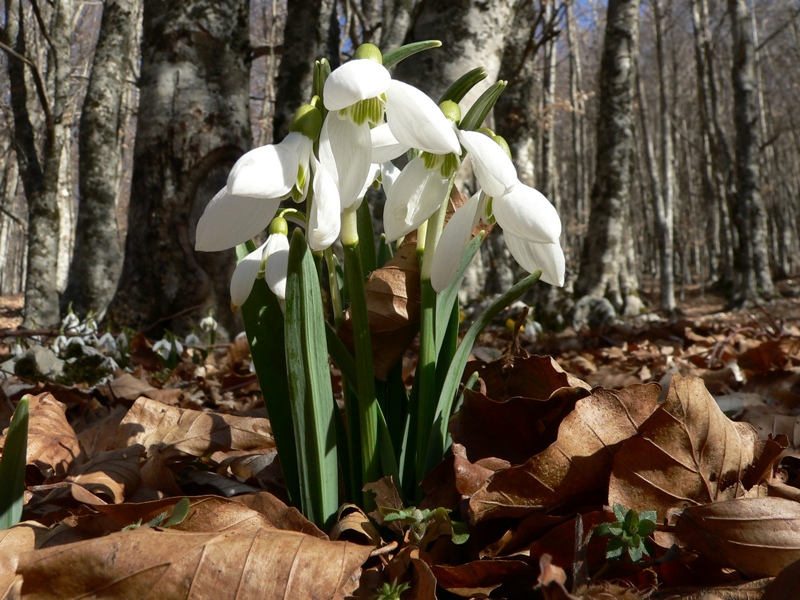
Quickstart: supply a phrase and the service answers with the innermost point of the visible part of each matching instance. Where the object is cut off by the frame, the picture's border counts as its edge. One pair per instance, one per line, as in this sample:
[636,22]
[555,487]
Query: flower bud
[369,51]
[308,121]
[279,225]
[451,110]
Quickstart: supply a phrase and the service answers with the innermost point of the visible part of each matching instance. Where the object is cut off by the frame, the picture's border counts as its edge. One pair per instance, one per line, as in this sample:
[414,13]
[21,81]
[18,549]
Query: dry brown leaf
[101,435]
[130,388]
[13,542]
[770,426]
[110,475]
[179,432]
[237,563]
[279,514]
[53,447]
[757,536]
[786,586]
[353,525]
[481,576]
[579,461]
[688,452]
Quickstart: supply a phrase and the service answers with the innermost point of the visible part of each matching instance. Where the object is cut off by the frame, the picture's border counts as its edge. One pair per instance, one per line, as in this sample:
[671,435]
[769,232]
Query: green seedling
[392,591]
[629,533]
[425,525]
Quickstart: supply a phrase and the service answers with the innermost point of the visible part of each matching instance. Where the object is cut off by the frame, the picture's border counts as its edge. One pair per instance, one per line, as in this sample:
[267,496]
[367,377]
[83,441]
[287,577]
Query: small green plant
[392,591]
[179,512]
[12,466]
[629,533]
[425,525]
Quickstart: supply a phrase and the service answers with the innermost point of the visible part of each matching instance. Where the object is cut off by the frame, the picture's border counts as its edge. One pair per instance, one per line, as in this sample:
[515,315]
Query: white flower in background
[208,324]
[272,257]
[164,347]
[531,226]
[107,343]
[192,341]
[257,184]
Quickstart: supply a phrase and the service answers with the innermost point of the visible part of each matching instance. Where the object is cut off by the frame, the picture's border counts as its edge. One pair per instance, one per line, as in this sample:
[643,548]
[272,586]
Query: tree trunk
[603,263]
[576,98]
[549,178]
[193,123]
[311,33]
[97,258]
[40,172]
[664,200]
[751,214]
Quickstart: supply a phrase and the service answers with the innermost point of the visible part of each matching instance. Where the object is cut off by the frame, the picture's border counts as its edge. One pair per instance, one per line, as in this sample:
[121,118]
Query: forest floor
[710,456]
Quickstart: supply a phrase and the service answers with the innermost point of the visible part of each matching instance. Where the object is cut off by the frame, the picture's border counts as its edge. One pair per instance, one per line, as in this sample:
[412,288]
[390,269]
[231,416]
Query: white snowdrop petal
[493,168]
[345,150]
[417,122]
[532,256]
[244,275]
[455,237]
[385,146]
[412,199]
[389,174]
[324,219]
[354,81]
[276,251]
[526,213]
[230,220]
[265,172]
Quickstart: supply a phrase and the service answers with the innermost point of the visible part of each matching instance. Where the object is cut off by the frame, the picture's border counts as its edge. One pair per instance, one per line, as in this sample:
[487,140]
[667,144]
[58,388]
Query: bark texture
[97,257]
[39,169]
[604,270]
[311,33]
[750,214]
[193,124]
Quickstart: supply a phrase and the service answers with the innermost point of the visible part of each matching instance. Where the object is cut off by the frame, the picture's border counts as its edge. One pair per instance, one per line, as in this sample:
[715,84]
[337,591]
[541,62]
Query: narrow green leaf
[392,57]
[12,466]
[384,251]
[313,406]
[436,446]
[448,297]
[179,513]
[263,323]
[483,106]
[366,236]
[461,87]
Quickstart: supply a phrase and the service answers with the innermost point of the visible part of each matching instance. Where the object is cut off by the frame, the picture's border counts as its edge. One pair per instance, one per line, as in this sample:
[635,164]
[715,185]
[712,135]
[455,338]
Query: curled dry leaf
[688,452]
[179,432]
[53,447]
[110,475]
[579,461]
[238,562]
[353,525]
[757,536]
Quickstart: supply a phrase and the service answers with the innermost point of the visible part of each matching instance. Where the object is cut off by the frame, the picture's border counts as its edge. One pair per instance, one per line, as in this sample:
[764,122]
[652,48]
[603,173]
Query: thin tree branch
[779,30]
[37,80]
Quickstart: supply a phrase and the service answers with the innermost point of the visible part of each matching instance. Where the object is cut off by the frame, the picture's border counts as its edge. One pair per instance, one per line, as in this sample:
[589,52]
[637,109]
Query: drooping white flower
[453,241]
[273,257]
[531,225]
[345,151]
[192,341]
[416,120]
[324,217]
[416,194]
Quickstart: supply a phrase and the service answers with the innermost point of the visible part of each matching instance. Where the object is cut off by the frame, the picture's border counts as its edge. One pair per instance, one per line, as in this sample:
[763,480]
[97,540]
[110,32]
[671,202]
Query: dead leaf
[13,542]
[236,563]
[53,447]
[130,388]
[101,435]
[481,576]
[757,536]
[279,514]
[688,452]
[786,586]
[110,475]
[353,525]
[579,461]
[179,432]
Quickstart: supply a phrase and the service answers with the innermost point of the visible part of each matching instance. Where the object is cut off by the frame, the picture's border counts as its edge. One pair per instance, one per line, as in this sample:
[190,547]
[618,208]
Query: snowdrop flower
[424,183]
[70,321]
[192,341]
[257,184]
[107,343]
[272,257]
[164,347]
[110,364]
[531,226]
[208,324]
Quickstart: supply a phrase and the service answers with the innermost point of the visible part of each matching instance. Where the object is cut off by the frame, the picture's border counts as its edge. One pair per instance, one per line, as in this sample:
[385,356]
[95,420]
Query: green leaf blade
[12,466]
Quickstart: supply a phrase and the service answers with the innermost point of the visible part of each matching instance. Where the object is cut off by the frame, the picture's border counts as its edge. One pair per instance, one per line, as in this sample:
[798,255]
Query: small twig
[388,548]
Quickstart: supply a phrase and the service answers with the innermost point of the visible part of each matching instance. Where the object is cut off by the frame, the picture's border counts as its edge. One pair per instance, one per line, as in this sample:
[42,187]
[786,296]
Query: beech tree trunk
[549,177]
[97,257]
[577,100]
[604,264]
[752,255]
[40,169]
[193,123]
[311,33]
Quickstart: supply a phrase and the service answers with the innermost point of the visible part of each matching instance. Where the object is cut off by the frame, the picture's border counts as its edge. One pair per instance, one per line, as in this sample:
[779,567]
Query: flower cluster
[344,142]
